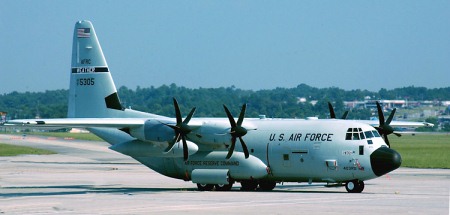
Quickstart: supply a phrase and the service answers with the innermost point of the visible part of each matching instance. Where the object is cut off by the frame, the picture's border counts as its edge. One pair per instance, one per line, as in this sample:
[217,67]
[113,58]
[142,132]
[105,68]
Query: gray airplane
[215,153]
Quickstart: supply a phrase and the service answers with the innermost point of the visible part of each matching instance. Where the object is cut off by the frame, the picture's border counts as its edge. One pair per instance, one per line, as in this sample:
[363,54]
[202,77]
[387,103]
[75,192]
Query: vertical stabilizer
[92,92]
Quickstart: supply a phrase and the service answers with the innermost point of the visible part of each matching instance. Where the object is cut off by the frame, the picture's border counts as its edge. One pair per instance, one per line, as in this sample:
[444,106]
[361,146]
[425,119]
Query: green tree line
[278,102]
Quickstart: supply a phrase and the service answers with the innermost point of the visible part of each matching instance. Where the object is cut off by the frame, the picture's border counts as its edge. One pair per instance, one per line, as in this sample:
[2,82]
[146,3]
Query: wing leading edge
[79,122]
[375,123]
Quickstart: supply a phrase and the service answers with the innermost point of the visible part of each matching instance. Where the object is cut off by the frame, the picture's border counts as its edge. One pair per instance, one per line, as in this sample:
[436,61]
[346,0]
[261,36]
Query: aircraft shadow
[29,191]
[79,189]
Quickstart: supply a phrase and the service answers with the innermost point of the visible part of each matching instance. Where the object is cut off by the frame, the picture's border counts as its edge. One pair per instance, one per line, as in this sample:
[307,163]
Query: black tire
[267,185]
[223,187]
[355,186]
[205,187]
[361,186]
[249,185]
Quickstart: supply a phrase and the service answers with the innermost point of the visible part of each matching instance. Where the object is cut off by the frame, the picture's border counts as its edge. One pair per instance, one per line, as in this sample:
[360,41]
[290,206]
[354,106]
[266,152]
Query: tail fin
[92,91]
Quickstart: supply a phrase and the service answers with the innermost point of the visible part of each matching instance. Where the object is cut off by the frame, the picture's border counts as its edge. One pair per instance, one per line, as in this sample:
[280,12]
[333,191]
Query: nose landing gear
[355,186]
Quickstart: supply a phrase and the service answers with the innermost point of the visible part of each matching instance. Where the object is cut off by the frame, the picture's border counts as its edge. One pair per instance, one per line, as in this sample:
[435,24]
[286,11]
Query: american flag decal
[83,32]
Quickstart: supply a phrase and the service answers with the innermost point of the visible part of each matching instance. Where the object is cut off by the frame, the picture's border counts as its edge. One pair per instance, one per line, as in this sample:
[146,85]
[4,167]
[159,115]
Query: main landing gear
[246,185]
[219,187]
[355,186]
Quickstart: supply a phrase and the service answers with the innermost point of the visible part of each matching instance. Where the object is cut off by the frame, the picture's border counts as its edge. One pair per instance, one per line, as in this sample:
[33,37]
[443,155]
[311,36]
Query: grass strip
[14,150]
[423,150]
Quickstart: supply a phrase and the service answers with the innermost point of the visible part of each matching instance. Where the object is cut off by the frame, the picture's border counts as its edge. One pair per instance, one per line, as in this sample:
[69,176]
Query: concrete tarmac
[86,177]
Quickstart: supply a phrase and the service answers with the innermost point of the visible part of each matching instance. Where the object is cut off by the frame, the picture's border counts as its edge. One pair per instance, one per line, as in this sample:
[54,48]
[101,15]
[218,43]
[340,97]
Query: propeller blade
[231,150]
[244,148]
[397,134]
[174,127]
[185,149]
[189,116]
[391,116]
[345,115]
[230,117]
[332,114]
[386,140]
[380,114]
[171,143]
[177,112]
[242,115]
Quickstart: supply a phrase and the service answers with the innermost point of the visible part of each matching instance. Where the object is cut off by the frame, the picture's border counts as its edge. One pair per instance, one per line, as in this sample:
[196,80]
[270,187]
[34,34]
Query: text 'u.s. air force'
[298,137]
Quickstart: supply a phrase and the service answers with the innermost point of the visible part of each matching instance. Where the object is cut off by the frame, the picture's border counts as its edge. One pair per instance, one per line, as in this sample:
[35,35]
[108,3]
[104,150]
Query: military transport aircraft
[205,150]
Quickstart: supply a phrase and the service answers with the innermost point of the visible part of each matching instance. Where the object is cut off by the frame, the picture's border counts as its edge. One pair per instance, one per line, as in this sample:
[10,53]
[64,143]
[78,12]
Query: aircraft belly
[164,166]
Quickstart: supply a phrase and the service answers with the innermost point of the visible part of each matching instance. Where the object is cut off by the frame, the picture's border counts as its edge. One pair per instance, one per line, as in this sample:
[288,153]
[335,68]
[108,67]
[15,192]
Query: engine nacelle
[177,149]
[212,133]
[154,131]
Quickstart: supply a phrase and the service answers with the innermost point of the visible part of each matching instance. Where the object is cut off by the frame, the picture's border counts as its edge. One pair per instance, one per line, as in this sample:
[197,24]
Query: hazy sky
[248,44]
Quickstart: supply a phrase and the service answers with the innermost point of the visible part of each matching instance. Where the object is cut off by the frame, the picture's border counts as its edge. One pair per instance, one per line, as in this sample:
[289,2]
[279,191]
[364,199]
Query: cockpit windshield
[359,134]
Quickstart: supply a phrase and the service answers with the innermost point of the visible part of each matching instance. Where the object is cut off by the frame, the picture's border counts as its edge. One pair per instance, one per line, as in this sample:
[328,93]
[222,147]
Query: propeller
[237,131]
[384,128]
[333,115]
[181,129]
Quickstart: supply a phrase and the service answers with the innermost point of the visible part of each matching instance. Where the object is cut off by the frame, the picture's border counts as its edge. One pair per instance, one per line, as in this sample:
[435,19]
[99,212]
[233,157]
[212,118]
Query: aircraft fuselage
[281,150]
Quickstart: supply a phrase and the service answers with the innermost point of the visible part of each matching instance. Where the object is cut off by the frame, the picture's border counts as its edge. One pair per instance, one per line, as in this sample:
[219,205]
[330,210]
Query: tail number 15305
[85,81]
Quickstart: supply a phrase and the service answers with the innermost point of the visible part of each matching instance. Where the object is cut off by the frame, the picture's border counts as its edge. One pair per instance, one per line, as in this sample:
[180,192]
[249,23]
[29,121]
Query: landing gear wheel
[224,187]
[249,185]
[205,187]
[355,186]
[267,185]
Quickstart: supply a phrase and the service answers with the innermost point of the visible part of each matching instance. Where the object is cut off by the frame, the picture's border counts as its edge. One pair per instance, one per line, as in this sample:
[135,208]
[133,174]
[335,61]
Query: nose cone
[384,160]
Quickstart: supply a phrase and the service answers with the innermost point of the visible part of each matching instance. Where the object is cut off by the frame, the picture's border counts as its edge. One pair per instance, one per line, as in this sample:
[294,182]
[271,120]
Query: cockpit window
[359,134]
[368,134]
[375,133]
[355,134]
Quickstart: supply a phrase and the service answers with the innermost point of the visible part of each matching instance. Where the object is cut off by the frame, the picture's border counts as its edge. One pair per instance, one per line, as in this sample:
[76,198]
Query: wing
[398,123]
[79,122]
